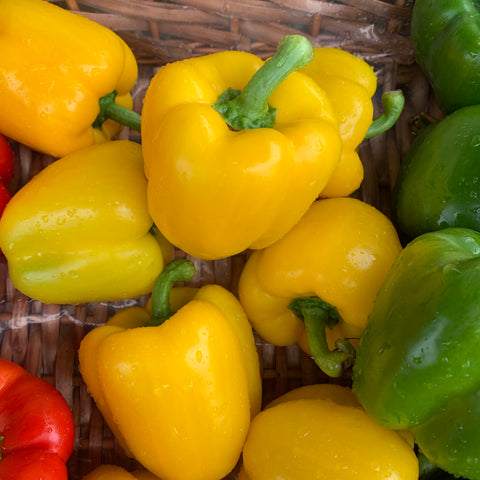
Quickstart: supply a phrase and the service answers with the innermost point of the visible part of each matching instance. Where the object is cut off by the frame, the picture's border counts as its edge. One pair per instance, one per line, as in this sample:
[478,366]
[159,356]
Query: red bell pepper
[36,427]
[7,168]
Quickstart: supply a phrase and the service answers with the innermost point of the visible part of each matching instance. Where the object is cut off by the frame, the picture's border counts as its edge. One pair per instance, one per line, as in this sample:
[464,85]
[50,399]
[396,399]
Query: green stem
[317,316]
[178,270]
[118,113]
[250,109]
[393,103]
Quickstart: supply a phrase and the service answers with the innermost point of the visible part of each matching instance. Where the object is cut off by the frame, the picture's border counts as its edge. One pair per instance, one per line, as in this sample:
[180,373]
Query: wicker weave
[45,338]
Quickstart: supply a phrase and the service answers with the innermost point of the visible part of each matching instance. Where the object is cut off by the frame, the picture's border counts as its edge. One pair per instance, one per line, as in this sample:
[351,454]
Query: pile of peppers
[417,362]
[239,154]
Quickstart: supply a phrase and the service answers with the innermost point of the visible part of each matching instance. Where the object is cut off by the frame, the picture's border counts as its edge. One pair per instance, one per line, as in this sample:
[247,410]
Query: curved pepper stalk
[249,108]
[393,103]
[178,270]
[111,110]
[317,316]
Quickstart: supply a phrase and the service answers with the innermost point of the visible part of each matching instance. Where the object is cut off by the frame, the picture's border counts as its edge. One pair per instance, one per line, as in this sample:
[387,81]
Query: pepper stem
[178,270]
[393,103]
[317,316]
[118,113]
[249,108]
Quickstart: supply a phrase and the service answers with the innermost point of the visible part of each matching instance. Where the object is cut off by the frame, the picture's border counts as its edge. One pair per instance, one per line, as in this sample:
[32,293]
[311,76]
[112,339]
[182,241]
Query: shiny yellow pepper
[113,472]
[320,432]
[178,390]
[317,285]
[55,66]
[79,231]
[350,84]
[236,149]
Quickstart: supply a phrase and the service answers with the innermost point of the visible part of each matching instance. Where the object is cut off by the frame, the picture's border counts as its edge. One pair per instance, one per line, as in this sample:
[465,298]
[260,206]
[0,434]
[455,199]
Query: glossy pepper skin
[79,231]
[350,84]
[437,184]
[113,472]
[215,190]
[193,381]
[7,170]
[320,432]
[55,66]
[36,427]
[444,37]
[417,366]
[338,253]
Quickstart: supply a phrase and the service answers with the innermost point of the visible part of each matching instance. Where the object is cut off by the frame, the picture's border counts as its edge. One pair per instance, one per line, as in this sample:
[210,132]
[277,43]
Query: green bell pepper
[418,361]
[445,37]
[438,184]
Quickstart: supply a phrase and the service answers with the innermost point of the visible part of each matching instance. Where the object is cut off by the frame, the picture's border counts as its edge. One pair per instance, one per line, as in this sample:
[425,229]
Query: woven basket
[45,338]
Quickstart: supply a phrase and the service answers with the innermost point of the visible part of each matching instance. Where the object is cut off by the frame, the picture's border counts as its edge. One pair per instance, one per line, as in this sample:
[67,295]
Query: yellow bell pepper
[142,474]
[241,174]
[113,472]
[320,432]
[317,285]
[79,231]
[178,390]
[56,66]
[350,84]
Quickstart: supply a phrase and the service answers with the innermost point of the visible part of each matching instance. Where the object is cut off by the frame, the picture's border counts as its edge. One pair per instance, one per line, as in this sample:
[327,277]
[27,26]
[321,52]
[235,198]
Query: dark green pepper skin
[438,184]
[445,36]
[418,361]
